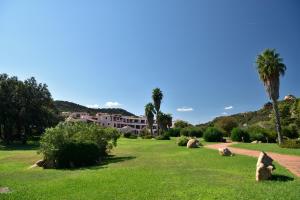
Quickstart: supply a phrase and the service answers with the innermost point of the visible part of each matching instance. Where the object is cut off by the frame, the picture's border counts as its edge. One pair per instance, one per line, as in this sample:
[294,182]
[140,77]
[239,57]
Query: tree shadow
[281,178]
[19,147]
[103,164]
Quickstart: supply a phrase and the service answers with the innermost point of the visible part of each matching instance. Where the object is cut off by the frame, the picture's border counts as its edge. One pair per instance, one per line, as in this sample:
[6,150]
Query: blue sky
[200,53]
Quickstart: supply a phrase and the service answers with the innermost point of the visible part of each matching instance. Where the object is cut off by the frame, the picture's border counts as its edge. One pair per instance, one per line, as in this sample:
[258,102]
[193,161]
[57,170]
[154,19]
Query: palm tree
[157,97]
[270,67]
[149,113]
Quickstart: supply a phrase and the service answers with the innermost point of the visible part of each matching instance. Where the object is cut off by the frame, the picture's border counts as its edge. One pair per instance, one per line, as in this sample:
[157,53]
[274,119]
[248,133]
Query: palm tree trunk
[151,129]
[277,121]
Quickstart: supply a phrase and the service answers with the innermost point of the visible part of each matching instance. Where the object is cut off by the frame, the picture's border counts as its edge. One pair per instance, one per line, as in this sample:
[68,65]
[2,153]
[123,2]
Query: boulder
[40,163]
[4,190]
[254,142]
[225,152]
[193,143]
[264,167]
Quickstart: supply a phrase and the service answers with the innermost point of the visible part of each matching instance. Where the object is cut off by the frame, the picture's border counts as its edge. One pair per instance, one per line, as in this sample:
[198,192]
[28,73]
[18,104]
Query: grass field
[268,147]
[145,169]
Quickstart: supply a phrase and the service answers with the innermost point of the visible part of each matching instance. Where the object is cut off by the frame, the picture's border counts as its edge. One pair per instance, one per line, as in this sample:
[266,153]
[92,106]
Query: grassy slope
[145,169]
[268,147]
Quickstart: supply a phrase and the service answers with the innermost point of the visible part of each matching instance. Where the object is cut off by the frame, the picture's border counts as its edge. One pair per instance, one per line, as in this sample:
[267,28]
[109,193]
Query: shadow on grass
[19,147]
[281,178]
[110,159]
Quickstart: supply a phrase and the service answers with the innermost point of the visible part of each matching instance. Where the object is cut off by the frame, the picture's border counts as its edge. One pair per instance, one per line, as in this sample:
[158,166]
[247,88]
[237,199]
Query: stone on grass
[254,142]
[264,167]
[225,152]
[4,190]
[193,143]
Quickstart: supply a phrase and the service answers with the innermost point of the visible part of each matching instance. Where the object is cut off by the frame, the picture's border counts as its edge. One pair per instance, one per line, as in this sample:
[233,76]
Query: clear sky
[201,53]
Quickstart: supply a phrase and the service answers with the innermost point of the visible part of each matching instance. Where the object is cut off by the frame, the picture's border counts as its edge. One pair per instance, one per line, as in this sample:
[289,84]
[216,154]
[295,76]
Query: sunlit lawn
[145,169]
[268,148]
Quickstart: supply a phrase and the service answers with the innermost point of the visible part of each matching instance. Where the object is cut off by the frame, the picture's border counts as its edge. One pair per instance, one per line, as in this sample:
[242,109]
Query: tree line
[26,109]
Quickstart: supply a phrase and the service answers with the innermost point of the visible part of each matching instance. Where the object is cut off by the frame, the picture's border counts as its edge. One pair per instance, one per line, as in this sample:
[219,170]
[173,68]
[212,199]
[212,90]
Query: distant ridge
[66,106]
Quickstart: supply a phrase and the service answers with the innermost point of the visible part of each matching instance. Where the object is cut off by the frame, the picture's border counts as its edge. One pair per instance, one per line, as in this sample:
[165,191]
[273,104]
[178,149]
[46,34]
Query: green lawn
[268,148]
[145,169]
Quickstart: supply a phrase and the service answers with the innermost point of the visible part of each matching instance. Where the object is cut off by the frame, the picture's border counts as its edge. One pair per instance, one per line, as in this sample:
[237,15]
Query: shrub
[130,135]
[145,134]
[58,141]
[164,136]
[191,132]
[226,124]
[77,155]
[291,143]
[261,134]
[290,132]
[213,134]
[239,135]
[174,132]
[182,141]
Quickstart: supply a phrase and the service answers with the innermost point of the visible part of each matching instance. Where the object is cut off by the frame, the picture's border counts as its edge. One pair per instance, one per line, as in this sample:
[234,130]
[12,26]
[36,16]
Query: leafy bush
[291,143]
[226,124]
[261,134]
[191,132]
[174,132]
[239,135]
[290,132]
[182,141]
[129,135]
[145,134]
[164,136]
[58,141]
[213,134]
[77,154]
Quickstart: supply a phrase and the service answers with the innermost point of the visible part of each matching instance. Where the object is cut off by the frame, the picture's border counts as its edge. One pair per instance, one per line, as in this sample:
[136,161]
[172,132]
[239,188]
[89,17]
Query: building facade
[134,123]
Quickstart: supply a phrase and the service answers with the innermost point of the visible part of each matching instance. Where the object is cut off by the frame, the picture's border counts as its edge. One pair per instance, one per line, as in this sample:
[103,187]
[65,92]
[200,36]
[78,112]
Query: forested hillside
[65,106]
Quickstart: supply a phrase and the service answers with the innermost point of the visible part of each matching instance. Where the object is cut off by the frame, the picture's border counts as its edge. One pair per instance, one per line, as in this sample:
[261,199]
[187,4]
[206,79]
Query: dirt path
[292,163]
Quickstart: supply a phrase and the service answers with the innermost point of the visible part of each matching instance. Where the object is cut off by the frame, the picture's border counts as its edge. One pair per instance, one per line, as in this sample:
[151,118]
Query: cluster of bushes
[291,143]
[129,135]
[145,134]
[164,136]
[239,135]
[191,132]
[213,134]
[76,144]
[182,141]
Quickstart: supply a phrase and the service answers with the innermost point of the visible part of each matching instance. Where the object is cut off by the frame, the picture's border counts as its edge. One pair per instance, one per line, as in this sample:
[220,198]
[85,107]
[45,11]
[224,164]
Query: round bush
[77,155]
[164,136]
[213,134]
[174,132]
[261,134]
[77,138]
[191,132]
[182,141]
[290,132]
[239,135]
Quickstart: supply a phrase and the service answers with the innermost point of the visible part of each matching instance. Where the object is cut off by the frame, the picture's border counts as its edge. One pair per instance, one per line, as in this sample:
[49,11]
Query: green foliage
[290,131]
[174,132]
[191,132]
[67,133]
[261,134]
[239,135]
[145,134]
[182,141]
[213,134]
[291,144]
[129,135]
[226,124]
[181,124]
[164,136]
[66,106]
[77,155]
[26,108]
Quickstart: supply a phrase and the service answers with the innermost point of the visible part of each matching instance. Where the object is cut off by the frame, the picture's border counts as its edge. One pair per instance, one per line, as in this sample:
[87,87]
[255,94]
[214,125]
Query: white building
[113,120]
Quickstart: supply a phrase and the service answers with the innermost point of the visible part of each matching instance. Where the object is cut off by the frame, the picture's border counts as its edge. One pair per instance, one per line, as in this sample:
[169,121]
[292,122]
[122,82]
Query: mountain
[289,114]
[66,106]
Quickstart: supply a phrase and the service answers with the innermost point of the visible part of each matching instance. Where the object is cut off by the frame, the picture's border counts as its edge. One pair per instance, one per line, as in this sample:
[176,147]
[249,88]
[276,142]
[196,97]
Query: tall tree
[157,97]
[149,113]
[270,67]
